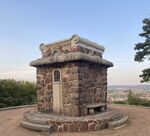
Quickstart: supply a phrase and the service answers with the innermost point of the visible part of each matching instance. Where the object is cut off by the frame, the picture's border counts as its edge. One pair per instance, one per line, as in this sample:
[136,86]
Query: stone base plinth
[51,122]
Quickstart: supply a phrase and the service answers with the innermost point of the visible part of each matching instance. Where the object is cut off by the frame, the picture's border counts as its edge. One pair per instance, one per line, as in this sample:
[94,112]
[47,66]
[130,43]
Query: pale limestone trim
[71,57]
[90,47]
[77,39]
[57,98]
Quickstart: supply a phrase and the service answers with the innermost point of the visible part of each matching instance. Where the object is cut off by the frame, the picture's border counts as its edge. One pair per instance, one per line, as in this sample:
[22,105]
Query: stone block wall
[44,89]
[92,85]
[69,73]
[82,83]
[56,48]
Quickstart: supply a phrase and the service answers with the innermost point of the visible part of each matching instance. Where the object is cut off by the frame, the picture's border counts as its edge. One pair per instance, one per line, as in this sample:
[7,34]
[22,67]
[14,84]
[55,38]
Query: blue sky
[24,24]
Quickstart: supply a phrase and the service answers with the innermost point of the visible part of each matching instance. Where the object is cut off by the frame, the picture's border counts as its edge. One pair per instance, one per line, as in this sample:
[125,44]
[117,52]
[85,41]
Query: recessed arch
[57,75]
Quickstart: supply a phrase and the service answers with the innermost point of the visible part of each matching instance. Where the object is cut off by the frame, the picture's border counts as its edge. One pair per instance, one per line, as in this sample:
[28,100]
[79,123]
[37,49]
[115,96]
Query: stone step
[36,127]
[37,120]
[118,123]
[117,117]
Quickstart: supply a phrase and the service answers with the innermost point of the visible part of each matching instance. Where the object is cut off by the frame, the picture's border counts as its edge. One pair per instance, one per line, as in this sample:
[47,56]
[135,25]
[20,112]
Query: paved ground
[139,124]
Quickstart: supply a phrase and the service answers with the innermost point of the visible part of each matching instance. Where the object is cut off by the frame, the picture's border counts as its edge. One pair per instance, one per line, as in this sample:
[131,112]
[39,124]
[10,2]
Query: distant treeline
[15,93]
[134,100]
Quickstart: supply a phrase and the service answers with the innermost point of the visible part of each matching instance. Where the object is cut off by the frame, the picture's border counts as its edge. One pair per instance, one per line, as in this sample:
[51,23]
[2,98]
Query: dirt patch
[139,124]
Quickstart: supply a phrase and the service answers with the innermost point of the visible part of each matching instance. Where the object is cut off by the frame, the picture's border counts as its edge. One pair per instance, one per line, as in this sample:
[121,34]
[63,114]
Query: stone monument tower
[71,76]
[71,82]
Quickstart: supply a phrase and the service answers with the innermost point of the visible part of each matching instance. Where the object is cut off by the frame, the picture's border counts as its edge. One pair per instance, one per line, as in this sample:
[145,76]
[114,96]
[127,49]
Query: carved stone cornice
[77,56]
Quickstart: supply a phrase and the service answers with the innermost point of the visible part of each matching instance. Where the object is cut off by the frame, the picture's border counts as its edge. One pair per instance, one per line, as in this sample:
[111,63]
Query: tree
[143,50]
[15,93]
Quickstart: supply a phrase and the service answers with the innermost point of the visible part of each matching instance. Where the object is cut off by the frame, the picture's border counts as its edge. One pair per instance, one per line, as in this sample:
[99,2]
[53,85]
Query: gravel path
[139,124]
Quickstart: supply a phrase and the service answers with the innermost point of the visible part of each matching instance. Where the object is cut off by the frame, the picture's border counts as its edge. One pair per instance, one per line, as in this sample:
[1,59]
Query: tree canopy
[143,50]
[15,93]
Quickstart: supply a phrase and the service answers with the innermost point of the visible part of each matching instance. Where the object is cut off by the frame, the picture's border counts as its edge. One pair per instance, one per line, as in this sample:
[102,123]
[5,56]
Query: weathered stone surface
[61,123]
[36,127]
[118,123]
[83,74]
[73,127]
[73,44]
[75,48]
[71,57]
[71,76]
[81,85]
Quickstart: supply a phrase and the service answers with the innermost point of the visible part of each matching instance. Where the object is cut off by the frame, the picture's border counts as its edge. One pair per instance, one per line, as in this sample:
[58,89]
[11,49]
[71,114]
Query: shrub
[134,100]
[119,102]
[2,105]
[14,93]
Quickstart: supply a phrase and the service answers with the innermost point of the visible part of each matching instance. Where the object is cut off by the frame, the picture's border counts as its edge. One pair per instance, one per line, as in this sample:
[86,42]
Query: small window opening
[56,76]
